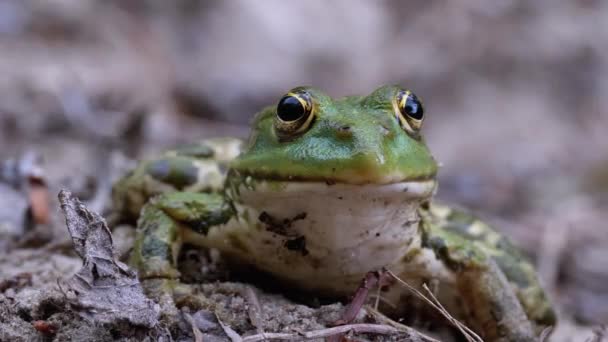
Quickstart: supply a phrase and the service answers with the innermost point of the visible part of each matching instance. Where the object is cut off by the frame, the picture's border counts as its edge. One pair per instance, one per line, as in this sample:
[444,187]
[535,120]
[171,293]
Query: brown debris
[105,289]
[39,200]
[26,174]
[18,281]
[361,328]
[45,327]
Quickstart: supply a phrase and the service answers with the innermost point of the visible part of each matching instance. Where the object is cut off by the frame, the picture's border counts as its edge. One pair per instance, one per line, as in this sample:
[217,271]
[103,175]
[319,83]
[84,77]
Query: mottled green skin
[354,140]
[465,243]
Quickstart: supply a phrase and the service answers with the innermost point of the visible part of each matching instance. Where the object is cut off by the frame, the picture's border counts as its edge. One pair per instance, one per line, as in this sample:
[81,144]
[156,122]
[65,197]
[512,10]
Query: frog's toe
[192,300]
[190,296]
[158,288]
[172,294]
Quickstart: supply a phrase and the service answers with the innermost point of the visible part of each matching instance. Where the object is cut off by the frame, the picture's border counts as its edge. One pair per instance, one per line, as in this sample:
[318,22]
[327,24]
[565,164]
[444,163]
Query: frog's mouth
[411,189]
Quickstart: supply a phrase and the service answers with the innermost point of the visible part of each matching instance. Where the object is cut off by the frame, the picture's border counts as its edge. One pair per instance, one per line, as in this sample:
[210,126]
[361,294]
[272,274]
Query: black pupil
[290,109]
[413,107]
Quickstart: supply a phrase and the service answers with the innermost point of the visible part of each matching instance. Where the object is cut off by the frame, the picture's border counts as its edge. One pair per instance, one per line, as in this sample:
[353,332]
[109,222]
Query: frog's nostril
[344,131]
[385,130]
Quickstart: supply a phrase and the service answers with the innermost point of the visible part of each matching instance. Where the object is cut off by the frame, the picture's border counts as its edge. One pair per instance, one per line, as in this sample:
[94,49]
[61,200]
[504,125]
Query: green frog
[325,191]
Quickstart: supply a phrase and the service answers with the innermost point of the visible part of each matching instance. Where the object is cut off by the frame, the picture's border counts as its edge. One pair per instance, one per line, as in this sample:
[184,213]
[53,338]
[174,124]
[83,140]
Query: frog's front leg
[492,307]
[159,235]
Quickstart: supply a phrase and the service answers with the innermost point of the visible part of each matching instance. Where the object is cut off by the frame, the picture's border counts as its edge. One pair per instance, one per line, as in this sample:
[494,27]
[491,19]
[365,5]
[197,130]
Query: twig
[468,333]
[350,313]
[377,301]
[198,335]
[434,302]
[255,309]
[233,335]
[379,298]
[379,329]
[544,335]
[380,318]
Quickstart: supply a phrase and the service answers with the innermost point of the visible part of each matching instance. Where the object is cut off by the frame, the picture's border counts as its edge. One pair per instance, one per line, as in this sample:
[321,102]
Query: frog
[323,192]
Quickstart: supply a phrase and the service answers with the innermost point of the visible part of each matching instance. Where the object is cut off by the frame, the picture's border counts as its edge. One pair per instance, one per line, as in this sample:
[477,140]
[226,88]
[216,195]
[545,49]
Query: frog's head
[337,180]
[309,136]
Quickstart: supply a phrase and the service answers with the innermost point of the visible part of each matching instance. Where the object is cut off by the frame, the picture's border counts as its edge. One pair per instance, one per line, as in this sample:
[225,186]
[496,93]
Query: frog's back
[456,224]
[195,167]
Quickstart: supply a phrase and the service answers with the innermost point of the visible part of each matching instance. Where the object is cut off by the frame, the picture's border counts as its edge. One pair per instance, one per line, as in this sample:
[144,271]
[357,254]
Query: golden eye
[409,111]
[294,113]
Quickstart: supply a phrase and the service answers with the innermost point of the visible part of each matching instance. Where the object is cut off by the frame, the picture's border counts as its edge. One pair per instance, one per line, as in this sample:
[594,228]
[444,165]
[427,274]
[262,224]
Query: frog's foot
[171,294]
[161,290]
[159,239]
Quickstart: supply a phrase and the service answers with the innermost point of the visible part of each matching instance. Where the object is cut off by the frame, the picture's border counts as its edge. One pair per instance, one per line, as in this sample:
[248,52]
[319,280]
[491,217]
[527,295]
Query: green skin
[204,194]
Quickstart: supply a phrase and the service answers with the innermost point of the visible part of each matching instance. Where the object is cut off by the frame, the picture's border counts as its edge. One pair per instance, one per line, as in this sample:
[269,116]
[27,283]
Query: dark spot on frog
[280,227]
[155,247]
[385,130]
[377,234]
[297,245]
[512,270]
[439,246]
[195,150]
[330,182]
[237,243]
[159,169]
[179,172]
[344,132]
[405,189]
[504,244]
[213,218]
[548,317]
[340,197]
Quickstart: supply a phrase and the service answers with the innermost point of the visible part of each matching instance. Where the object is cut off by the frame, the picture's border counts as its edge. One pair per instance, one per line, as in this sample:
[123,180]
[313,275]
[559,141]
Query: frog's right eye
[294,113]
[409,111]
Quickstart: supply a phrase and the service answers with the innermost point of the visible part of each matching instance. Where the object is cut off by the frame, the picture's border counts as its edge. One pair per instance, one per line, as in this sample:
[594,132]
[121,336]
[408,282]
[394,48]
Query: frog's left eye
[409,111]
[294,113]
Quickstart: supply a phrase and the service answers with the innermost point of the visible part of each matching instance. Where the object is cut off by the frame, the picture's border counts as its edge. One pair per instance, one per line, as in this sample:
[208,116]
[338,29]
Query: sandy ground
[515,112]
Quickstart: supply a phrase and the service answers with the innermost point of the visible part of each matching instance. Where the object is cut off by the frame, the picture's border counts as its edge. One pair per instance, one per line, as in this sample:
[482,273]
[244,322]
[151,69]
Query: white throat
[335,230]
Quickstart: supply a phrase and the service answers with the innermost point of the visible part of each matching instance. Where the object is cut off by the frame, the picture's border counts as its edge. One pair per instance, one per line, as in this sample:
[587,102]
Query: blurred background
[515,96]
